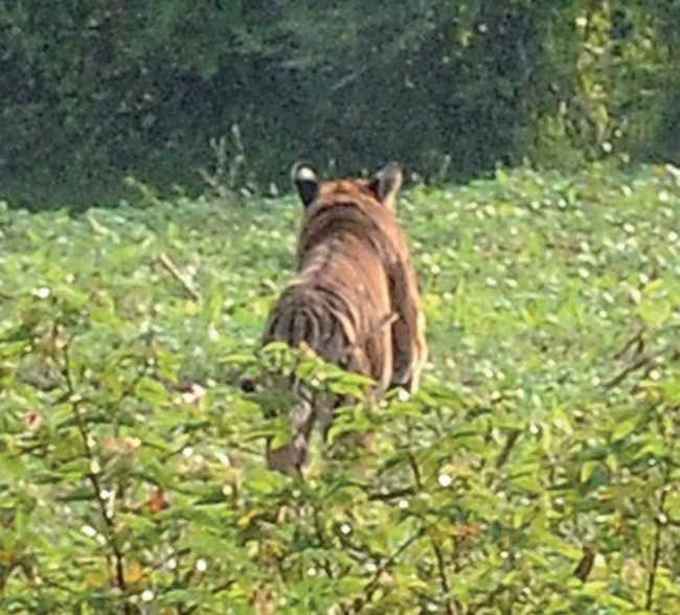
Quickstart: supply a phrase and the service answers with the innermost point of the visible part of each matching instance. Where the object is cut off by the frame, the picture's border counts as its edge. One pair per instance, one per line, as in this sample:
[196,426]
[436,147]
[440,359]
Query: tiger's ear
[386,184]
[306,181]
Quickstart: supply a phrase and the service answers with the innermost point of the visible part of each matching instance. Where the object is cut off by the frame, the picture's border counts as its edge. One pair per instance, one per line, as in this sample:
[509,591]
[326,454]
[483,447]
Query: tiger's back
[354,300]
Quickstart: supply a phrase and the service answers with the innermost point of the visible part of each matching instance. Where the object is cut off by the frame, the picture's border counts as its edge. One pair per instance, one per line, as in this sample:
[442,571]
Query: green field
[546,434]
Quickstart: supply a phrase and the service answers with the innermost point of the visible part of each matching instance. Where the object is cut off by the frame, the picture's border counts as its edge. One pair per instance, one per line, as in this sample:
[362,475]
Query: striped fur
[355,299]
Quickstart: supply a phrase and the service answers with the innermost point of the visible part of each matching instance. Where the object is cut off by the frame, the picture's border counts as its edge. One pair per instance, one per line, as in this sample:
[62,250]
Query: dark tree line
[95,90]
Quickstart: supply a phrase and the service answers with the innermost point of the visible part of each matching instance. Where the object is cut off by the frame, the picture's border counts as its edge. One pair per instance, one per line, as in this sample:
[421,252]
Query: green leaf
[151,391]
[624,429]
[587,470]
[263,481]
[655,312]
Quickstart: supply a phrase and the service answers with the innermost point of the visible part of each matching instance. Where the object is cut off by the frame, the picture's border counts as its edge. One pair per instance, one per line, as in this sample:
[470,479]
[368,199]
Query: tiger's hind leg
[293,456]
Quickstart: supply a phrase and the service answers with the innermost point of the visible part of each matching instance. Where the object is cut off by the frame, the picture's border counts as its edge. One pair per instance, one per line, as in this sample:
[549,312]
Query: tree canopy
[94,90]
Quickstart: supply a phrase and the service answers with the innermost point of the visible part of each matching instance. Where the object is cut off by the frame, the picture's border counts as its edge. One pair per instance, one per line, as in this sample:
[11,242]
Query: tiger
[355,300]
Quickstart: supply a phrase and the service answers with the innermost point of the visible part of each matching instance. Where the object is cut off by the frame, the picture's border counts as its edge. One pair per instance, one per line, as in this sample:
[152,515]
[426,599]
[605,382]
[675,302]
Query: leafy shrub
[98,90]
[537,469]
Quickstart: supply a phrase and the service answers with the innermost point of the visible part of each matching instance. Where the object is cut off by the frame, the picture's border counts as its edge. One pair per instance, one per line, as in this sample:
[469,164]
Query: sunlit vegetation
[536,471]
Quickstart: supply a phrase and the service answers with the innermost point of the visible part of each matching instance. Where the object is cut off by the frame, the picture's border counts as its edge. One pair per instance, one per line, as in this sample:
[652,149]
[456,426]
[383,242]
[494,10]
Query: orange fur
[355,299]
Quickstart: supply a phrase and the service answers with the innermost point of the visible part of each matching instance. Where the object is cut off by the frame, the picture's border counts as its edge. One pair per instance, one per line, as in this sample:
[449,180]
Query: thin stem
[370,587]
[507,449]
[416,471]
[443,580]
[172,269]
[656,555]
[94,481]
[325,564]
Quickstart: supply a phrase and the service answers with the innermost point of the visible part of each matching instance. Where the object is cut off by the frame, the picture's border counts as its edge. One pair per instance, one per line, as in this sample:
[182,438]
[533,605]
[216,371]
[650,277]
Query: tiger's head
[383,188]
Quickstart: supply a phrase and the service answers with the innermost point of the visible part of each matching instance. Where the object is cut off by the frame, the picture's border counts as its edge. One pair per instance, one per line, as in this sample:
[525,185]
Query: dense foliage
[96,90]
[538,470]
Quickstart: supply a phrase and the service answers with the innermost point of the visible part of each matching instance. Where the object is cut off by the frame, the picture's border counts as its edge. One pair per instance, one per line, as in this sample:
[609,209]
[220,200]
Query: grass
[548,419]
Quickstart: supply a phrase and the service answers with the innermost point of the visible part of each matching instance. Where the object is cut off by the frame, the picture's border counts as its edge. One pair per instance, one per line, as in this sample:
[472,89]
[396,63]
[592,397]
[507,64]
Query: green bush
[536,470]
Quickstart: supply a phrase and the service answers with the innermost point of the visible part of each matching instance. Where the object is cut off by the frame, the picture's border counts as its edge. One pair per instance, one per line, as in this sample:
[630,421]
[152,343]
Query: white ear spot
[305,174]
[306,181]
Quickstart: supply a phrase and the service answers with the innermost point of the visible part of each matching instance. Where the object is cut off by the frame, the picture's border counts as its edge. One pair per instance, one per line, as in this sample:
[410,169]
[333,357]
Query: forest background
[96,91]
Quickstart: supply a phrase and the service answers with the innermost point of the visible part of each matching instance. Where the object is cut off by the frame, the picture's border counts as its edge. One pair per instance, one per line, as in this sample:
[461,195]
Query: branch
[416,471]
[347,79]
[507,449]
[370,587]
[94,480]
[633,367]
[171,268]
[584,567]
[325,564]
[451,608]
[636,339]
[391,495]
[656,557]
